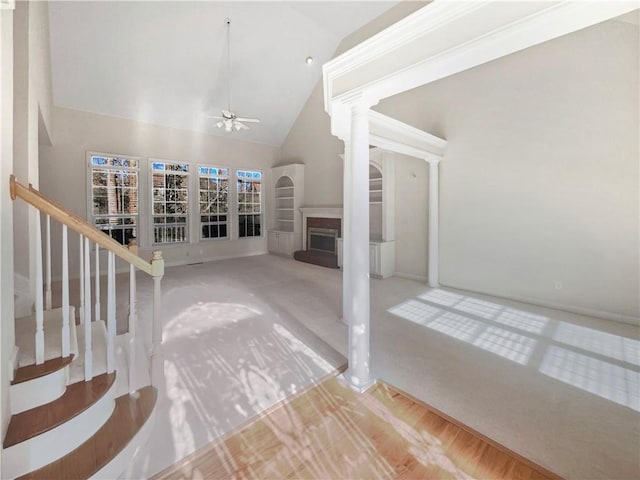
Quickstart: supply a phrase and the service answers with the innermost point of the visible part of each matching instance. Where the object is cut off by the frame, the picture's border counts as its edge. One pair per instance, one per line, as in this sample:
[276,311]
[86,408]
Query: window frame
[237,203]
[229,213]
[152,215]
[91,216]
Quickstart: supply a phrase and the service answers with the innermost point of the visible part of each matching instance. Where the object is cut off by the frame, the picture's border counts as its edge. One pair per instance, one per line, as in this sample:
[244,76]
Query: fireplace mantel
[318,212]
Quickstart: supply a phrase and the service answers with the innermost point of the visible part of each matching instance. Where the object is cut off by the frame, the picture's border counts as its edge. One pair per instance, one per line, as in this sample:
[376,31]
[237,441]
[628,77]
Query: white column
[432,274]
[347,172]
[356,253]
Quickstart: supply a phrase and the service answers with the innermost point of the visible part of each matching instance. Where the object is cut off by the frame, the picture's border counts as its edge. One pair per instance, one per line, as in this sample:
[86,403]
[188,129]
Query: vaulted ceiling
[165,62]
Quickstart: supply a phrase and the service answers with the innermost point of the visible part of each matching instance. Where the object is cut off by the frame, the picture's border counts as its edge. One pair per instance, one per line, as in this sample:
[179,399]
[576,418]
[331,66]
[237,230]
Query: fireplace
[322,240]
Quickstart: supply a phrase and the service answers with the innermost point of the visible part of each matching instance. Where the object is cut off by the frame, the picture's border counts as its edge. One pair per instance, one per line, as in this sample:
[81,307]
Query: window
[170,201]
[114,195]
[249,203]
[214,202]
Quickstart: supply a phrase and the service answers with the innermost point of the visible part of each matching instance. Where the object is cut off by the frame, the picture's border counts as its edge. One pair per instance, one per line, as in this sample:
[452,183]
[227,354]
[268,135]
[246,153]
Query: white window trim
[235,203]
[149,201]
[89,185]
[230,214]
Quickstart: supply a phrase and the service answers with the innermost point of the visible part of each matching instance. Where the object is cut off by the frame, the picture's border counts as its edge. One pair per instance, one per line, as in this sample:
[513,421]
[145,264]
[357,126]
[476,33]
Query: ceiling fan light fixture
[229,120]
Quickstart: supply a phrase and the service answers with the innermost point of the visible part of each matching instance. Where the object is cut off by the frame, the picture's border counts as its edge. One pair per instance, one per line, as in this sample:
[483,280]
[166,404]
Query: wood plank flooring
[129,415]
[330,432]
[75,400]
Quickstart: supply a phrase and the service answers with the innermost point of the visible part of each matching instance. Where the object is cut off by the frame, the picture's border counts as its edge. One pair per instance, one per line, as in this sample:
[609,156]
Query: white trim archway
[439,40]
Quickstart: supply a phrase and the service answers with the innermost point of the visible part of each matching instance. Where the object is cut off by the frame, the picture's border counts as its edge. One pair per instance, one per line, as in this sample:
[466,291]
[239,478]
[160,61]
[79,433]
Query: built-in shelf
[287,187]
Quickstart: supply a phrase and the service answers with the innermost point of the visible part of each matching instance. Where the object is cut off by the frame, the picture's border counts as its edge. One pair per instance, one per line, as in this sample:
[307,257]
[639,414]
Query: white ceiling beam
[445,38]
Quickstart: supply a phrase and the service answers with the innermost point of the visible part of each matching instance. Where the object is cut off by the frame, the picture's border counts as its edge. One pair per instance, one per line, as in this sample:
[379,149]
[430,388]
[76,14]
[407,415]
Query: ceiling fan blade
[215,117]
[248,120]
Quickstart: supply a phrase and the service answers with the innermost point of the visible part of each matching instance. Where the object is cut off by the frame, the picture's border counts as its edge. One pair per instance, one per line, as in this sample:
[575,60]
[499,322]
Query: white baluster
[47,296]
[97,284]
[132,329]
[88,354]
[111,311]
[157,360]
[81,279]
[39,304]
[66,332]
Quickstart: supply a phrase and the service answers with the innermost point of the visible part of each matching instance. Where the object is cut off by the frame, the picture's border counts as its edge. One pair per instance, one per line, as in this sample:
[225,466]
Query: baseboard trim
[599,314]
[410,276]
[192,261]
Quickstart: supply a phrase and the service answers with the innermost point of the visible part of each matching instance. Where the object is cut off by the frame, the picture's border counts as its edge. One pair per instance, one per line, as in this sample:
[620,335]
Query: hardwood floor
[330,432]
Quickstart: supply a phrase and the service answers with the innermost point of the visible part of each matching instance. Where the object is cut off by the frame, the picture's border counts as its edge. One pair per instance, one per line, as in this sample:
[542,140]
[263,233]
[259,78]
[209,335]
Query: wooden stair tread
[128,417]
[76,399]
[31,372]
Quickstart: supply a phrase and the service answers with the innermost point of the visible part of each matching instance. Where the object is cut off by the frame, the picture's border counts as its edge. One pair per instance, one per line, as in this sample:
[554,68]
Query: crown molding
[7,4]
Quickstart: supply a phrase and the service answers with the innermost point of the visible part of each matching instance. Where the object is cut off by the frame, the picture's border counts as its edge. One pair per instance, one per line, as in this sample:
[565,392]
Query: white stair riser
[49,446]
[36,392]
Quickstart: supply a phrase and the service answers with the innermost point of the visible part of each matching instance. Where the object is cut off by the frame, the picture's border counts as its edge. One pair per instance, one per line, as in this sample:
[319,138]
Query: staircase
[78,408]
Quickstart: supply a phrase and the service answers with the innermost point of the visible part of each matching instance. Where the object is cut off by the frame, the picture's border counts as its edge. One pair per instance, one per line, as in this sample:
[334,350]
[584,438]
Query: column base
[433,284]
[345,378]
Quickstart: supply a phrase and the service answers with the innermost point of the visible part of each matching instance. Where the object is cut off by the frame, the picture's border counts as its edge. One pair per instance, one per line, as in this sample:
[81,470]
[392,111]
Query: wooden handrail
[74,222]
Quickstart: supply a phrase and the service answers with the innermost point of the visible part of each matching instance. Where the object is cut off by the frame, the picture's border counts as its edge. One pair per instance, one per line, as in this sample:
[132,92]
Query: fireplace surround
[322,227]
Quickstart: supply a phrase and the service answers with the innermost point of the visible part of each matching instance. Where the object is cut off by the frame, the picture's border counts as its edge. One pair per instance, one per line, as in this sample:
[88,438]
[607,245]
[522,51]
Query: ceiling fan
[230,120]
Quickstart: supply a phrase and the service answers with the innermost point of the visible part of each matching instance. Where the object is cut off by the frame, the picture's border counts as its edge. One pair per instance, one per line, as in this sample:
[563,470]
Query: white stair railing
[81,278]
[133,320]
[88,351]
[97,284]
[157,360]
[66,330]
[111,312]
[47,295]
[86,235]
[39,338]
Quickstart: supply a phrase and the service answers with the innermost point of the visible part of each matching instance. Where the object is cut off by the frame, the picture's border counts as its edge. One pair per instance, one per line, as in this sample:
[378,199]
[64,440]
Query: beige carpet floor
[241,334]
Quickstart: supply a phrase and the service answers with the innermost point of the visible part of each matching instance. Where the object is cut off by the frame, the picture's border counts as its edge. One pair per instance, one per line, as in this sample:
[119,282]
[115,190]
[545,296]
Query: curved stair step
[76,399]
[31,372]
[127,421]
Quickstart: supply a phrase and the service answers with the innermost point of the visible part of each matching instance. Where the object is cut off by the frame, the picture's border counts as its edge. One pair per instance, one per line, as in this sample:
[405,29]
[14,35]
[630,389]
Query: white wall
[63,172]
[6,215]
[33,101]
[540,180]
